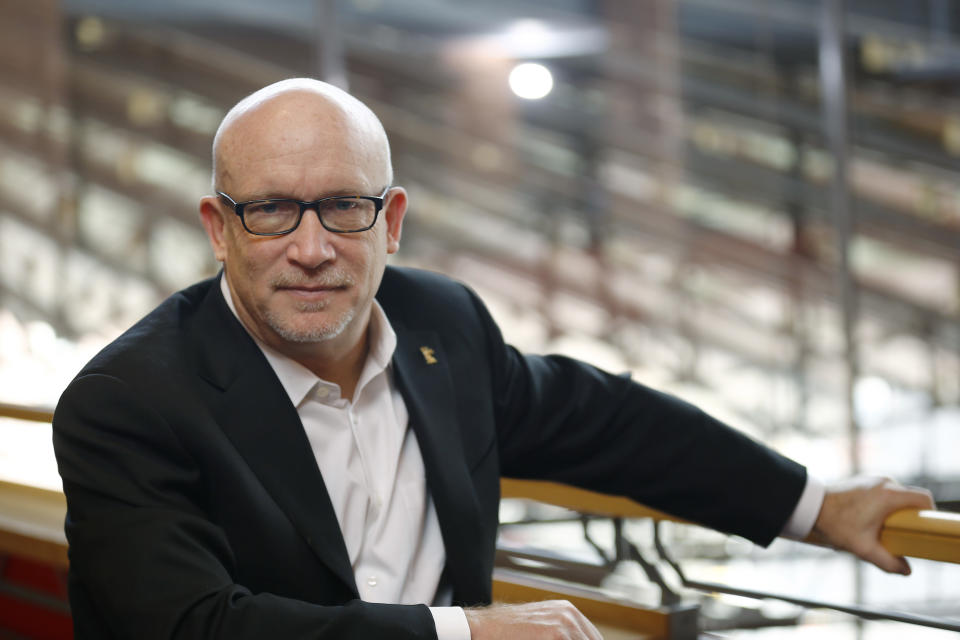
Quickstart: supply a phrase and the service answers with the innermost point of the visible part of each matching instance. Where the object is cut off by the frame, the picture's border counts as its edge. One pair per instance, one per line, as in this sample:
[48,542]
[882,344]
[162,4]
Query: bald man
[310,444]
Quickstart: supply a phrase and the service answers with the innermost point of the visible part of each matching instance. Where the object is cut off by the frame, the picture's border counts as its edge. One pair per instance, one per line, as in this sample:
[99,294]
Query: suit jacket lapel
[253,409]
[424,380]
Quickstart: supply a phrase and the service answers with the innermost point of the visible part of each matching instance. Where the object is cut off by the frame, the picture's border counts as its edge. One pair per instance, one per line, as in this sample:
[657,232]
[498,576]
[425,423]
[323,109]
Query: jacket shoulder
[423,298]
[408,279]
[157,339]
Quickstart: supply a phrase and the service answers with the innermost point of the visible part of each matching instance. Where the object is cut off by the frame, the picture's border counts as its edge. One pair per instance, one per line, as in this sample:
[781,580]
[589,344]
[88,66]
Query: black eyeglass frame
[238,208]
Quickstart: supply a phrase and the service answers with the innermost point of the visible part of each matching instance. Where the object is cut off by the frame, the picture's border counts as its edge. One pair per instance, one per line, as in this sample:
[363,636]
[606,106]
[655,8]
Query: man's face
[311,285]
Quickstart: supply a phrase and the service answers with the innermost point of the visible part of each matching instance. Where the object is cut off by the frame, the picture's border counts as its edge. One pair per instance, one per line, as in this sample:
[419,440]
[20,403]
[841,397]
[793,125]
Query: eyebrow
[277,195]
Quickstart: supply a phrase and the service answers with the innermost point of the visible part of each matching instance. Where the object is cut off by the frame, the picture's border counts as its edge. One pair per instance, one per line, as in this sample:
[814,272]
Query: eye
[271,208]
[345,204]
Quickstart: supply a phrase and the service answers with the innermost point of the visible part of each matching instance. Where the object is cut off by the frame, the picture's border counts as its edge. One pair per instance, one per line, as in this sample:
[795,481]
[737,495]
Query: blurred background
[753,204]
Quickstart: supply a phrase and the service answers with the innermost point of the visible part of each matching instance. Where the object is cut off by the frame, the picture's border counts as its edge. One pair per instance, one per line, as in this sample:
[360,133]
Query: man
[277,453]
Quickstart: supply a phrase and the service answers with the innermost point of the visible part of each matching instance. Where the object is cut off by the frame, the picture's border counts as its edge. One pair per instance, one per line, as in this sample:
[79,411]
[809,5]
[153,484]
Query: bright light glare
[527,30]
[531,81]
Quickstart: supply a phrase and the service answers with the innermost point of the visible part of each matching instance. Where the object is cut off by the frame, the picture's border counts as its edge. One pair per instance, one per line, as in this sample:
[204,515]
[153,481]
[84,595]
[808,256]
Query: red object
[33,600]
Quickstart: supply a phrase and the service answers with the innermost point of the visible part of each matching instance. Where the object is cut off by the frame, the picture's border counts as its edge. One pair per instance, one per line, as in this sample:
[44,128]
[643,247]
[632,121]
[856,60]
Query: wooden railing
[19,412]
[31,518]
[615,616]
[31,526]
[933,535]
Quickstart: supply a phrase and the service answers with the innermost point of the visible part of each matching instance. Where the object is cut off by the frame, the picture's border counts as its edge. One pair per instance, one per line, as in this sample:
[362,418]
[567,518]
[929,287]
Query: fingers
[547,620]
[853,514]
[885,560]
[896,497]
[910,497]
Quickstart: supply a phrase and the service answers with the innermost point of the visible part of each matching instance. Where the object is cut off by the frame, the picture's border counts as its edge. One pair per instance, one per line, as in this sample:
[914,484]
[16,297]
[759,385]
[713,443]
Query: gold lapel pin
[428,355]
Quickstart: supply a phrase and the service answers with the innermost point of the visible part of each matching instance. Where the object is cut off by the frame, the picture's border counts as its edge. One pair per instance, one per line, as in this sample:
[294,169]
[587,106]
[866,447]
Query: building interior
[751,204]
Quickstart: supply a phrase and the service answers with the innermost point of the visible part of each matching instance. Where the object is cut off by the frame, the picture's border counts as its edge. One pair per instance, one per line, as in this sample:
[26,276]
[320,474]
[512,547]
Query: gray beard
[319,333]
[323,332]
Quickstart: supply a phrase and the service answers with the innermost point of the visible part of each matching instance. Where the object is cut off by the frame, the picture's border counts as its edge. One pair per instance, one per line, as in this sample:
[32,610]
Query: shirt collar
[297,380]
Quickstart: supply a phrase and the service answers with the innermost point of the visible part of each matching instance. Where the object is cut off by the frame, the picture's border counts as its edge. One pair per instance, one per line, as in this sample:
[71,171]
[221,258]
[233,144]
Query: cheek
[373,259]
[377,248]
[258,257]
[251,265]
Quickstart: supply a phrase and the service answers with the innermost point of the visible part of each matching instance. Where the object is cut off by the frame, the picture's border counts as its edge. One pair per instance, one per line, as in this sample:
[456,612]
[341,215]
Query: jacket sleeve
[147,561]
[561,419]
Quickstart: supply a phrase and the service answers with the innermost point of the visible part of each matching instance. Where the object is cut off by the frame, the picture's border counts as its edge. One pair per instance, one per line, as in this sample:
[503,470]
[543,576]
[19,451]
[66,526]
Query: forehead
[303,145]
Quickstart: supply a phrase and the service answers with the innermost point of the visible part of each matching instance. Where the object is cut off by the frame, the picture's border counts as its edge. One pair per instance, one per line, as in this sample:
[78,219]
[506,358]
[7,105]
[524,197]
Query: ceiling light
[531,81]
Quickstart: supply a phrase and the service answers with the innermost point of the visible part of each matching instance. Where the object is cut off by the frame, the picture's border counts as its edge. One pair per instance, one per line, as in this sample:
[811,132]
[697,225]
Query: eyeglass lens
[339,214]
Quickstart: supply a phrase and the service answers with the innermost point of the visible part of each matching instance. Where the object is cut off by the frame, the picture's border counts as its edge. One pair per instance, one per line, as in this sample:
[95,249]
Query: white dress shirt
[805,514]
[374,474]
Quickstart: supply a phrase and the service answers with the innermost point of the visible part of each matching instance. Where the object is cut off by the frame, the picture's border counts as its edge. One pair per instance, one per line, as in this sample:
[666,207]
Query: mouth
[311,291]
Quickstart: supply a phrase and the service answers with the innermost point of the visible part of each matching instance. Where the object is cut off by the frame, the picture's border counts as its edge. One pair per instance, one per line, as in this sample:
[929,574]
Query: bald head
[300,116]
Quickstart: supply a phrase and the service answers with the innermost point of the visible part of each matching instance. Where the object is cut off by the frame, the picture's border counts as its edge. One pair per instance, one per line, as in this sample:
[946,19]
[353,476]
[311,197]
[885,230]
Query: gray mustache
[332,278]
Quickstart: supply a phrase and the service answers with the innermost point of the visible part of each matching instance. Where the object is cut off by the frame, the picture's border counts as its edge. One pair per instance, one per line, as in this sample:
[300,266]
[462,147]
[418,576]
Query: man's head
[306,140]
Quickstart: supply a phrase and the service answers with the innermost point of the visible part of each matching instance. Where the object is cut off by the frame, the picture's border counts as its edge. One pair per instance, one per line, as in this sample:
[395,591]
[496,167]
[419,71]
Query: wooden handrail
[31,518]
[933,535]
[20,412]
[562,495]
[31,523]
[605,610]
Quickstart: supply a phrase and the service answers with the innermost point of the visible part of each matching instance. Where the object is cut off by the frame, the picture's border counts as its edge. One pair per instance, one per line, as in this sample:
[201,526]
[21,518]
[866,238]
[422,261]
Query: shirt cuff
[805,514]
[451,623]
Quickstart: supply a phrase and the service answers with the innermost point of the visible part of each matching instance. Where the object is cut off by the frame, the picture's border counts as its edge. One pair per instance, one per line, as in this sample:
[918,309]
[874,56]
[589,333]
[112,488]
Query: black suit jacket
[196,508]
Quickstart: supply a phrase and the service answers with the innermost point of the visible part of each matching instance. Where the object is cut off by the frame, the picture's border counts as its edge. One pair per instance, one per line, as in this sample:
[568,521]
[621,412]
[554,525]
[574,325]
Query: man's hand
[548,620]
[853,513]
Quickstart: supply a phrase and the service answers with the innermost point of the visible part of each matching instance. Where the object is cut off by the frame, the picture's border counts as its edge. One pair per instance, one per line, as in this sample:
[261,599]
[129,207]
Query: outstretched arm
[853,514]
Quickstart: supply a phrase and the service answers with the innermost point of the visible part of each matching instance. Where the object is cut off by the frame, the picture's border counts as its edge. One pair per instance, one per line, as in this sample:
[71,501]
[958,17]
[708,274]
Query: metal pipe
[328,45]
[862,613]
[832,61]
[834,107]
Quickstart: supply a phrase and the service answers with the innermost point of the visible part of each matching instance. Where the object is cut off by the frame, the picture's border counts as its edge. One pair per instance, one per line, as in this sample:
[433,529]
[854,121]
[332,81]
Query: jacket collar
[423,378]
[255,411]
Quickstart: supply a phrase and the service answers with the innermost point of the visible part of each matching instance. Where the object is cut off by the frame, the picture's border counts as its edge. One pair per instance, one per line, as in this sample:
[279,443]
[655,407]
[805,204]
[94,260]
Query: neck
[339,360]
[339,366]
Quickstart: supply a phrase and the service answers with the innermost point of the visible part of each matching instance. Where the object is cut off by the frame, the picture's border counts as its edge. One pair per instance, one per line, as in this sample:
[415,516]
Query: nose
[310,243]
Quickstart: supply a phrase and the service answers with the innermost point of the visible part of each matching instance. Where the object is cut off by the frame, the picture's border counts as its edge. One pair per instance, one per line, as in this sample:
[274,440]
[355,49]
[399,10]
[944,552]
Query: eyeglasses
[278,216]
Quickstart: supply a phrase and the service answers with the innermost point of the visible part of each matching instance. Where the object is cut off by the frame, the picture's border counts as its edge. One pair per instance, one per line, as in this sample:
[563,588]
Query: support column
[329,64]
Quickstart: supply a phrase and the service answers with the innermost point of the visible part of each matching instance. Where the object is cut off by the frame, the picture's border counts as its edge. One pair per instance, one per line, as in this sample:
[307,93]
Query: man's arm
[697,457]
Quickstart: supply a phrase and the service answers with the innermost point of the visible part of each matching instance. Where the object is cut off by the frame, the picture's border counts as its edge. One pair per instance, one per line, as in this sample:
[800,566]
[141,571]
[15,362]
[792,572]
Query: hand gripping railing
[932,535]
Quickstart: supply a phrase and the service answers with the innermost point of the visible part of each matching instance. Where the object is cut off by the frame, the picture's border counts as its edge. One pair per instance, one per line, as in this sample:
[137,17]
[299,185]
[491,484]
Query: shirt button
[323,392]
[372,581]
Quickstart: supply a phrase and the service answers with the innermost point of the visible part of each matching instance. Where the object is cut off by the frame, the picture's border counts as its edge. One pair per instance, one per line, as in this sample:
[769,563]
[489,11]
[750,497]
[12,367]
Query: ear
[211,216]
[393,211]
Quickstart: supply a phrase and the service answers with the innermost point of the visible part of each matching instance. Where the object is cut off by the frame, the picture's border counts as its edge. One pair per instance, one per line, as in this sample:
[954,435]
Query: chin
[309,330]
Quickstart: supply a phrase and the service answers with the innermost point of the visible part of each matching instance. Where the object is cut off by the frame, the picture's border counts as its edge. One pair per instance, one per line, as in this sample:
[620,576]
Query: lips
[328,280]
[311,292]
[313,289]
